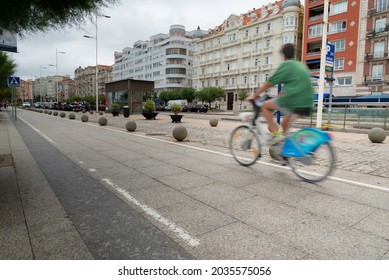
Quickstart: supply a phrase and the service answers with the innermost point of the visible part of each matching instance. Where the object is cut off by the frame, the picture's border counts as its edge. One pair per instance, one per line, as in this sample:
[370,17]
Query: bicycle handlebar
[257,104]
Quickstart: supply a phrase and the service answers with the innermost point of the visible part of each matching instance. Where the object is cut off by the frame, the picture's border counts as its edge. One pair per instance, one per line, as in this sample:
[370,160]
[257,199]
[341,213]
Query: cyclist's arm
[258,92]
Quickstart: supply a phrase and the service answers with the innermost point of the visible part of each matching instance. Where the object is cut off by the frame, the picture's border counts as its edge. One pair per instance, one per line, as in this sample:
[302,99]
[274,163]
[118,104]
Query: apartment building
[375,74]
[165,59]
[344,28]
[46,88]
[66,88]
[85,79]
[240,54]
[24,92]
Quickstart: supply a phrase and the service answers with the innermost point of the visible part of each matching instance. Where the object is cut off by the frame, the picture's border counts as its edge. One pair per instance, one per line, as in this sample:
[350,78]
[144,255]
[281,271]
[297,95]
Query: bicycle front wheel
[316,166]
[245,145]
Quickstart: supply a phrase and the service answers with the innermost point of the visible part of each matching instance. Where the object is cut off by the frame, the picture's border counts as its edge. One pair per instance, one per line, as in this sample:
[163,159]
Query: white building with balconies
[165,59]
[241,53]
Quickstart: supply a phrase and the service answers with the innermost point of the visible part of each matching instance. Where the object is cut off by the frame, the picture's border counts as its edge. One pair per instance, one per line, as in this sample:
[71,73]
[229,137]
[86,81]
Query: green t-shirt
[297,85]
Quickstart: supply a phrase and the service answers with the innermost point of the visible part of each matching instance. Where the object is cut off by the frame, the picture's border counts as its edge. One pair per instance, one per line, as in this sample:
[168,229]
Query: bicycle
[308,151]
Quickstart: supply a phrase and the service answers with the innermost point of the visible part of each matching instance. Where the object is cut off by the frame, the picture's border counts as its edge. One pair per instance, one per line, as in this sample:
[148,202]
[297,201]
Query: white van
[182,102]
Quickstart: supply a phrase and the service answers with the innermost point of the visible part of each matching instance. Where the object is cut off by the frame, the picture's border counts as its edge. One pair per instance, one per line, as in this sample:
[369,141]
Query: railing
[365,115]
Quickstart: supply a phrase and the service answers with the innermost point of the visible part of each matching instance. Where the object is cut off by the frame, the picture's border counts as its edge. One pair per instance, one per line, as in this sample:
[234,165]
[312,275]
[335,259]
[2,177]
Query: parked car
[26,105]
[199,108]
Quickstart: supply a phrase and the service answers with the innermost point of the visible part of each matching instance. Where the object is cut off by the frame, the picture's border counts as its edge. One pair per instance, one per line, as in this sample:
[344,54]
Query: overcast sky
[130,21]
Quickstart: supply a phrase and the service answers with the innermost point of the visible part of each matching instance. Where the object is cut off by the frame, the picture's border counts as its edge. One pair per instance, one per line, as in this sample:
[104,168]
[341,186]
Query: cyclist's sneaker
[277,137]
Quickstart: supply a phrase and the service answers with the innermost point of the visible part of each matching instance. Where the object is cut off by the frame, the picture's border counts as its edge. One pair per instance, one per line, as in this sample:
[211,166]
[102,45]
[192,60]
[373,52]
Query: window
[267,60]
[257,30]
[256,62]
[255,79]
[340,45]
[266,76]
[268,26]
[315,30]
[345,81]
[380,25]
[338,8]
[216,82]
[268,43]
[377,71]
[339,64]
[379,49]
[337,27]
[247,33]
[244,80]
[290,38]
[382,5]
[257,45]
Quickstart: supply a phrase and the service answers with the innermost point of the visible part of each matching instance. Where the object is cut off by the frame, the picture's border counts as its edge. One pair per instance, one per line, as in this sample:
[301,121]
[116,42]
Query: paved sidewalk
[34,225]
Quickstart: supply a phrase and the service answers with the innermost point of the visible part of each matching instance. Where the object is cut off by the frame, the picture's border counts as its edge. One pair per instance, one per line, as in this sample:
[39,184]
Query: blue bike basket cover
[304,141]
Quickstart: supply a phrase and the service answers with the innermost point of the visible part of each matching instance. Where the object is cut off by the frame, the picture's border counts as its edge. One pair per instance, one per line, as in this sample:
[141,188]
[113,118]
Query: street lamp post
[56,70]
[97,62]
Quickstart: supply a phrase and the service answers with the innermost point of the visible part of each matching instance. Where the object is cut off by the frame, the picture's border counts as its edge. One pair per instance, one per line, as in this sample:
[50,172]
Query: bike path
[231,212]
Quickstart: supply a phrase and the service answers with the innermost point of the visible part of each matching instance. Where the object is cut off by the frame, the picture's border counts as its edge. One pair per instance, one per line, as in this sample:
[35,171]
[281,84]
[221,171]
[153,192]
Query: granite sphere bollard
[213,122]
[131,126]
[84,118]
[180,133]
[103,121]
[55,113]
[377,135]
[101,113]
[62,115]
[72,116]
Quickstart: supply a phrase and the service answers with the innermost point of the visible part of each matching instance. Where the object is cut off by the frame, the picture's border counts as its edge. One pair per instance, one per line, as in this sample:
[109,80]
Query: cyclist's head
[288,51]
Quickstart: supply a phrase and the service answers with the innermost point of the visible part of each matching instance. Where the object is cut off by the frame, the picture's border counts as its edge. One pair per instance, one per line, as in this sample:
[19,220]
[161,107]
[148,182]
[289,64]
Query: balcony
[377,11]
[230,57]
[376,56]
[246,54]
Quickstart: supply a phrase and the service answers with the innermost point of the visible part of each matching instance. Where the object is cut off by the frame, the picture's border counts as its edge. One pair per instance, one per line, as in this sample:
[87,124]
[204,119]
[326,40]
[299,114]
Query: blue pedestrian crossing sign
[13,81]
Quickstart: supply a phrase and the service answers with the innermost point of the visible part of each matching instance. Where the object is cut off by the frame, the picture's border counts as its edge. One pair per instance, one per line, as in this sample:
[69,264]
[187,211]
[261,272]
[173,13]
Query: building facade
[85,79]
[242,52]
[344,29]
[166,59]
[48,88]
[375,72]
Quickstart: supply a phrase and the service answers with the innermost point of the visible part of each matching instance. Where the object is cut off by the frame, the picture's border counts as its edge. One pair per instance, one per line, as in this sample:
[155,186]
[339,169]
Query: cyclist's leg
[287,122]
[267,110]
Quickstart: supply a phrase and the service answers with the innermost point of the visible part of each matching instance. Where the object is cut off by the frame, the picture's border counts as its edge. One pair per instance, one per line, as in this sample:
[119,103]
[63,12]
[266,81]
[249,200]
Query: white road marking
[40,132]
[178,231]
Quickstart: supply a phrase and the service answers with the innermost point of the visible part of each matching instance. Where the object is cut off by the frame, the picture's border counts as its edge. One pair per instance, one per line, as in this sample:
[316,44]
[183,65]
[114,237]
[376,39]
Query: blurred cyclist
[297,94]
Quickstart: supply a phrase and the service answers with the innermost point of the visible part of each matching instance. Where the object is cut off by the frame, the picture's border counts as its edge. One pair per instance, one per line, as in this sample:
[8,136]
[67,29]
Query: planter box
[176,118]
[150,115]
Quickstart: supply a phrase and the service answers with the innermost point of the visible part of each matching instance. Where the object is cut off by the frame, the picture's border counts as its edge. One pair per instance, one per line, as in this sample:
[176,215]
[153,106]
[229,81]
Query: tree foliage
[7,68]
[210,94]
[188,94]
[31,16]
[242,94]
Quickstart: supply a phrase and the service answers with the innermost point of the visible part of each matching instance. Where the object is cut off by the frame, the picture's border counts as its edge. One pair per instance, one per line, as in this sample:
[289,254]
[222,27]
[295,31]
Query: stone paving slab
[261,212]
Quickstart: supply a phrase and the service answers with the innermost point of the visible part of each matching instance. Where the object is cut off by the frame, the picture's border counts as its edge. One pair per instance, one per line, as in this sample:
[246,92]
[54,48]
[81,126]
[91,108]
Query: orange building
[343,33]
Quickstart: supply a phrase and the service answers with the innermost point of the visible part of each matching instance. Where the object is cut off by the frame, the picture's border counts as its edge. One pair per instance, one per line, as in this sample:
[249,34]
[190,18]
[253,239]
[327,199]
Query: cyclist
[296,97]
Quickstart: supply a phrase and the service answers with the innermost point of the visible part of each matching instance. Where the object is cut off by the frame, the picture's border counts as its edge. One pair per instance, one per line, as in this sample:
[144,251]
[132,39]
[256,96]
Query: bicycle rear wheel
[315,166]
[245,145]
